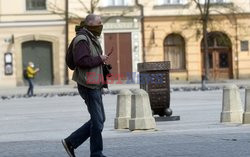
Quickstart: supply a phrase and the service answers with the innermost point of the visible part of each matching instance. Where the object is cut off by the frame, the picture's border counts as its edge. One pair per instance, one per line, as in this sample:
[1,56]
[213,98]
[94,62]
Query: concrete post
[141,114]
[231,105]
[123,109]
[246,115]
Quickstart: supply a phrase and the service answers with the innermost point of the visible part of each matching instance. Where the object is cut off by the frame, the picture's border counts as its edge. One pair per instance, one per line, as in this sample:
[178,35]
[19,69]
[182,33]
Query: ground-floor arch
[40,53]
[44,49]
[174,51]
[219,56]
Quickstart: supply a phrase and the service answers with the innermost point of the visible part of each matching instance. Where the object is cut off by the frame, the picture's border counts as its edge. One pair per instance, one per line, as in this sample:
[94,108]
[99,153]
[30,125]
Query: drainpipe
[142,29]
[0,10]
[237,49]
[66,77]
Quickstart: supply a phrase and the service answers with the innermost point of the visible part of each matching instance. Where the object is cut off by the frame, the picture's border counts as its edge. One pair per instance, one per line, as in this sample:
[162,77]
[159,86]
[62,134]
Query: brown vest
[90,78]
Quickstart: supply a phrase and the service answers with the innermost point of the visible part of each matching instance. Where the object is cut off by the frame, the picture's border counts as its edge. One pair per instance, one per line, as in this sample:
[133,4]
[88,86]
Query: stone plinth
[231,105]
[123,109]
[246,115]
[141,114]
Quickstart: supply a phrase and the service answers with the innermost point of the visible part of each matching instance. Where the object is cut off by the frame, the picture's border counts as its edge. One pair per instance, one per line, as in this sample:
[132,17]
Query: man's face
[95,27]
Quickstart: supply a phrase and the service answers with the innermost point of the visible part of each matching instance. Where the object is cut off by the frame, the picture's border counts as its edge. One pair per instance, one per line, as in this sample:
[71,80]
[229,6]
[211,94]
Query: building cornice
[32,23]
[239,15]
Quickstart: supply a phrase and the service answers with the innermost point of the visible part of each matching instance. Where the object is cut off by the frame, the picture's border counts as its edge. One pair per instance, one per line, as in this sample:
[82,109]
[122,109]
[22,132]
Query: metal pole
[66,38]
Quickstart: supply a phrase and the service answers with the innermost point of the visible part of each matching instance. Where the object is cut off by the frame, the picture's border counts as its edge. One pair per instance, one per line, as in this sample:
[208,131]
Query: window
[35,4]
[116,2]
[216,1]
[223,60]
[8,63]
[171,2]
[174,51]
[244,45]
[217,39]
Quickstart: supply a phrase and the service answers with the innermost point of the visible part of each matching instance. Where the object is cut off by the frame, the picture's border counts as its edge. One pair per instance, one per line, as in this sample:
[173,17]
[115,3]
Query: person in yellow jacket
[31,72]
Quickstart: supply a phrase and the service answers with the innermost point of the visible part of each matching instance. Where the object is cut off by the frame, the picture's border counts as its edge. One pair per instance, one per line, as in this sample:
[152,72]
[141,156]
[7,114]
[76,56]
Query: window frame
[125,3]
[244,45]
[181,46]
[216,2]
[170,3]
[36,8]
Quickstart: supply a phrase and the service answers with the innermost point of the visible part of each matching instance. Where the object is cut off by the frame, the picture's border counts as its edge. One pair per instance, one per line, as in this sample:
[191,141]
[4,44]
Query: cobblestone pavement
[71,90]
[33,127]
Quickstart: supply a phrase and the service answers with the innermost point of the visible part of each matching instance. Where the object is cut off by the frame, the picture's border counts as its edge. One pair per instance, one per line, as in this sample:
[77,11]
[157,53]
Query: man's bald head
[93,20]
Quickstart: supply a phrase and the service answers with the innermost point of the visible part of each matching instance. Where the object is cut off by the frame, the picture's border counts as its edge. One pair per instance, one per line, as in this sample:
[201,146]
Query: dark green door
[40,53]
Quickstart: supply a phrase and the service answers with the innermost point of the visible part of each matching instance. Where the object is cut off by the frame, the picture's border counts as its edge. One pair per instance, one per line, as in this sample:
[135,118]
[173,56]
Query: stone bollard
[123,109]
[141,114]
[231,105]
[246,115]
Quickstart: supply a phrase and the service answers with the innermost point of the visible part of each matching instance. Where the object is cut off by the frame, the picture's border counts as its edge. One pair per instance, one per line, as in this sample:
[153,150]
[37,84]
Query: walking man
[87,54]
[31,72]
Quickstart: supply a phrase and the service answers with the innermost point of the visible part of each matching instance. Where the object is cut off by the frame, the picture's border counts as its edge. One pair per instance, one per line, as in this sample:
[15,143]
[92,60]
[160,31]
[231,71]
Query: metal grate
[154,78]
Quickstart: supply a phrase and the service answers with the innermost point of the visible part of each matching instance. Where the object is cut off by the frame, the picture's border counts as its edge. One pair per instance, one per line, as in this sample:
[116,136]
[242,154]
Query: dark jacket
[82,57]
[86,54]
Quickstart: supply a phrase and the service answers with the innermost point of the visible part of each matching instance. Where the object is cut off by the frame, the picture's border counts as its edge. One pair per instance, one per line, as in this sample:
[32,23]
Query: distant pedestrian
[30,75]
[88,59]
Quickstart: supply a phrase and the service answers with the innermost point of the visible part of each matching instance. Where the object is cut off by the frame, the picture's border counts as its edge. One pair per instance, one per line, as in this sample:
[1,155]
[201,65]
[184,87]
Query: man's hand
[104,57]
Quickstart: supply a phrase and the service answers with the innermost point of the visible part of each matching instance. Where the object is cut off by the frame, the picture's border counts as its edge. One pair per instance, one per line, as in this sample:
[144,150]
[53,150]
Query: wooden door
[220,64]
[121,58]
[223,66]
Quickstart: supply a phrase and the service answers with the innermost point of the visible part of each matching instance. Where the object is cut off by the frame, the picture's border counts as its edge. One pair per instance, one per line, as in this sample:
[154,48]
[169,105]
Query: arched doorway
[40,53]
[174,51]
[220,56]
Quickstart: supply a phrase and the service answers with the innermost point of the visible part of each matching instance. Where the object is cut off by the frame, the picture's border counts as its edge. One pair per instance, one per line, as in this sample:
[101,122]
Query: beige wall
[80,10]
[165,19]
[163,26]
[153,8]
[18,12]
[26,25]
[53,34]
[180,19]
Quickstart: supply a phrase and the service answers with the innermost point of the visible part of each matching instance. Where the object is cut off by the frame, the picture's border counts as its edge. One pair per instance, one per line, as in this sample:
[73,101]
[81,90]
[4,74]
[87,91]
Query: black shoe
[69,149]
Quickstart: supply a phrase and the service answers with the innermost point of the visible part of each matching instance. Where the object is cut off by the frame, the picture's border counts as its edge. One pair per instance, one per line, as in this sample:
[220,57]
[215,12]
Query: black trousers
[92,128]
[31,87]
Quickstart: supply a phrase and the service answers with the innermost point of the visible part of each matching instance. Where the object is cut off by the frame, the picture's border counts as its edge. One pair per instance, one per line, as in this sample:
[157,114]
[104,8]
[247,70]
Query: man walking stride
[88,58]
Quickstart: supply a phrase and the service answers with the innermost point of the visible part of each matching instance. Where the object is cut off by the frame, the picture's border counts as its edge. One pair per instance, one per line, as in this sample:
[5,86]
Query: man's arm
[82,57]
